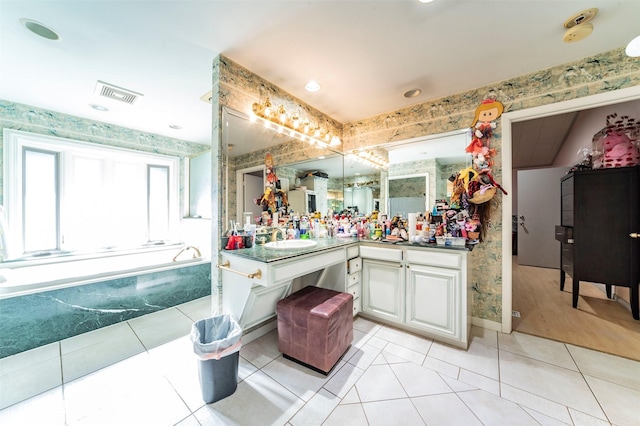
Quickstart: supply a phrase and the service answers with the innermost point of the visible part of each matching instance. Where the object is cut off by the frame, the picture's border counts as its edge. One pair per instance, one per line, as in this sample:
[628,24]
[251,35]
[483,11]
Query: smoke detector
[578,26]
[112,91]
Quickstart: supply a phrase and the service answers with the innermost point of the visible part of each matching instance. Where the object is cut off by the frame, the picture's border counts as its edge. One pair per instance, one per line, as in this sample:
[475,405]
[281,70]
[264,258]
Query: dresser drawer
[567,250]
[355,292]
[353,279]
[354,265]
[353,251]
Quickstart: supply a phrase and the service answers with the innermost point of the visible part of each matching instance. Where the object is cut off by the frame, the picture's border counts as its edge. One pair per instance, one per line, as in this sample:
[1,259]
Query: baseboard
[485,323]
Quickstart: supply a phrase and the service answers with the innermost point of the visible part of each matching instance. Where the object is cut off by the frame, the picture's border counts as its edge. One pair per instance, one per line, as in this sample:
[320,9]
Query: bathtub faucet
[196,253]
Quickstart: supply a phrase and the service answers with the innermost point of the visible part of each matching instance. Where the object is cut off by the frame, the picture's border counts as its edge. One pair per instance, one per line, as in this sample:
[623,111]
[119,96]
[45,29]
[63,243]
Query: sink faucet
[274,234]
[196,253]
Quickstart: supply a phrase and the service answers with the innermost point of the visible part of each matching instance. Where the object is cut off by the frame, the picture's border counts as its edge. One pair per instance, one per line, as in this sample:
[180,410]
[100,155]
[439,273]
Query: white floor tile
[347,415]
[384,413]
[360,338]
[379,383]
[39,377]
[197,309]
[493,410]
[607,367]
[544,420]
[419,381]
[161,327]
[343,380]
[259,401]
[408,340]
[582,419]
[316,410]
[387,379]
[479,381]
[549,351]
[442,367]
[445,409]
[403,352]
[620,404]
[301,381]
[261,351]
[363,357]
[351,397]
[484,336]
[558,384]
[541,405]
[365,325]
[46,408]
[478,358]
[92,351]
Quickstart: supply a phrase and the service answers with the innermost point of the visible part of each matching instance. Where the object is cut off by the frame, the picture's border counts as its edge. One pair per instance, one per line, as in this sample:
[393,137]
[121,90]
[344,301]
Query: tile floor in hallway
[388,377]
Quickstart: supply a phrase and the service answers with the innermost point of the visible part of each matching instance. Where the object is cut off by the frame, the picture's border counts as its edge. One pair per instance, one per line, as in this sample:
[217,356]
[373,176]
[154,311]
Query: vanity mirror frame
[410,176]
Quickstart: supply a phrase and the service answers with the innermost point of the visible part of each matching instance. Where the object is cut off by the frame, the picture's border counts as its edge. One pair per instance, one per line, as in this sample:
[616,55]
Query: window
[66,196]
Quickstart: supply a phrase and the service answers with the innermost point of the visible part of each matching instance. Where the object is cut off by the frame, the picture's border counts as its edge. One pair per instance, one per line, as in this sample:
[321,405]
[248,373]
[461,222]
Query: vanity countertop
[263,254]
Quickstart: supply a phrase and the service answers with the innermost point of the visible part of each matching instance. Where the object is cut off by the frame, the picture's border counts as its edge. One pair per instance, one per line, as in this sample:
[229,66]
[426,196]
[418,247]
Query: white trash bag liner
[216,337]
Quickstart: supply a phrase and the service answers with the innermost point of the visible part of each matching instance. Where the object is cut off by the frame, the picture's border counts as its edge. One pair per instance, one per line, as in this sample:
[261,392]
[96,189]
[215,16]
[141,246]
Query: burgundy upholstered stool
[315,326]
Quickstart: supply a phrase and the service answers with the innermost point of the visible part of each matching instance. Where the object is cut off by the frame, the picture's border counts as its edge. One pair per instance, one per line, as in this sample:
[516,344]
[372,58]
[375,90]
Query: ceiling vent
[118,93]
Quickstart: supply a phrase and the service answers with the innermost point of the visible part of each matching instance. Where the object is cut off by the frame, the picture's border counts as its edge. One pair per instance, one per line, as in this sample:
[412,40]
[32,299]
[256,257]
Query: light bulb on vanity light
[633,48]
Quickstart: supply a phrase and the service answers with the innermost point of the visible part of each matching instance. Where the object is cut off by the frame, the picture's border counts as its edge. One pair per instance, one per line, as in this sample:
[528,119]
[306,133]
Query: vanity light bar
[285,130]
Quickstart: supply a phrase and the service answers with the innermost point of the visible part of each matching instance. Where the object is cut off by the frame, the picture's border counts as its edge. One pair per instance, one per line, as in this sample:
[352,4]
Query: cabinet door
[383,289]
[261,303]
[434,300]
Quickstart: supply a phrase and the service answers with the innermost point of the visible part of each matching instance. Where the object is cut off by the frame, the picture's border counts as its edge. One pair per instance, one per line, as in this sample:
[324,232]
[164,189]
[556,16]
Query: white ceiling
[365,54]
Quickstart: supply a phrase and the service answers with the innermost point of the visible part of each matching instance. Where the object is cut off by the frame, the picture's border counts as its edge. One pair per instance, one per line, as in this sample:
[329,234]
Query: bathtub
[27,277]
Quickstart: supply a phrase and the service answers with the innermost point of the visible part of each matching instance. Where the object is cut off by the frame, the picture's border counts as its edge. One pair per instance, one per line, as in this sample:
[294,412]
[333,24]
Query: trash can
[216,342]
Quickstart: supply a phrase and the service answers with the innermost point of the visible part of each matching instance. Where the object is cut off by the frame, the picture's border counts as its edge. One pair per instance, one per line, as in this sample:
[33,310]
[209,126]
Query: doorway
[550,300]
[508,264]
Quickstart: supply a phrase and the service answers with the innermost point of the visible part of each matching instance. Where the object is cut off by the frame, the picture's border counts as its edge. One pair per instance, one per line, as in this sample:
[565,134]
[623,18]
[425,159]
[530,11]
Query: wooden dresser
[600,220]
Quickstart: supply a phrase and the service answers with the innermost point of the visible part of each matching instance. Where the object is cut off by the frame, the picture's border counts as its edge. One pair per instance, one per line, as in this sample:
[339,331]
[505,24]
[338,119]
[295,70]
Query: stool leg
[576,291]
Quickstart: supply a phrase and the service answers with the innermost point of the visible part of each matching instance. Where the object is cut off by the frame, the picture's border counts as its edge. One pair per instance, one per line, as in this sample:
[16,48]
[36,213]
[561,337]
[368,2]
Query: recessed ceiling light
[633,48]
[175,127]
[98,107]
[39,29]
[412,93]
[425,1]
[312,86]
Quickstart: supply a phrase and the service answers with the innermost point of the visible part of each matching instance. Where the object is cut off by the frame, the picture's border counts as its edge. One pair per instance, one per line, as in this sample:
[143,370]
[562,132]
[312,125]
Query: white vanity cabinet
[383,291]
[252,300]
[421,290]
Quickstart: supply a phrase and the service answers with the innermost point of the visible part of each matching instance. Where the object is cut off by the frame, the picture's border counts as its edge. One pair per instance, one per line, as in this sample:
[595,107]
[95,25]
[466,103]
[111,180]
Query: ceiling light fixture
[424,1]
[175,127]
[633,48]
[39,29]
[279,119]
[98,107]
[369,158]
[412,93]
[312,86]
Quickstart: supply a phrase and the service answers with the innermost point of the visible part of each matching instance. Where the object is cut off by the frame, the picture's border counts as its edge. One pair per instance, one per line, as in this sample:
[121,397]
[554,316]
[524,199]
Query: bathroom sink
[290,244]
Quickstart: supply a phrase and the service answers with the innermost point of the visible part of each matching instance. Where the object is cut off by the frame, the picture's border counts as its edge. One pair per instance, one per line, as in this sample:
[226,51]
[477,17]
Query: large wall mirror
[416,176]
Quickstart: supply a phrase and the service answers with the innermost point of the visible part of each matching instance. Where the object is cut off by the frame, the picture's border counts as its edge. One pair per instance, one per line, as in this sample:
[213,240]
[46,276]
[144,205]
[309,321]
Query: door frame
[240,187]
[587,102]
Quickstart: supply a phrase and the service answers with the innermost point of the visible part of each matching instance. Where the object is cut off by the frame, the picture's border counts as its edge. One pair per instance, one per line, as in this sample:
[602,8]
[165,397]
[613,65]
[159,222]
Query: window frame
[14,143]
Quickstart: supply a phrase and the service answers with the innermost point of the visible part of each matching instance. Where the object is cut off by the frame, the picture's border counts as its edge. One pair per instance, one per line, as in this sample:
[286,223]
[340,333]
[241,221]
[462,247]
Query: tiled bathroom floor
[388,377]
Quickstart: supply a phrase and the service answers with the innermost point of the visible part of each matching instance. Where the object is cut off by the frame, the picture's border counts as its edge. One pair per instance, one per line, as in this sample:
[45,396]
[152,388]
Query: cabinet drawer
[354,265]
[434,258]
[355,292]
[356,307]
[352,251]
[353,279]
[567,251]
[380,253]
